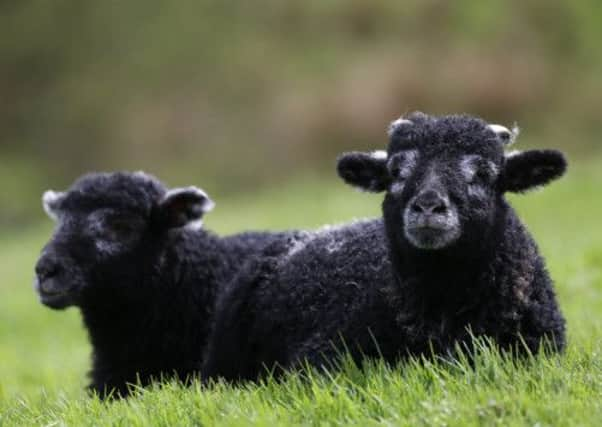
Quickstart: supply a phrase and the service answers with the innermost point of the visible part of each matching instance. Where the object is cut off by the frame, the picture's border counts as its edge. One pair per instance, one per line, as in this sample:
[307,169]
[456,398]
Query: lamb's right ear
[526,170]
[183,207]
[51,201]
[366,171]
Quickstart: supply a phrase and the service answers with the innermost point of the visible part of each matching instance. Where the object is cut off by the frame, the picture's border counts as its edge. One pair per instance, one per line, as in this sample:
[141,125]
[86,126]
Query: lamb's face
[105,225]
[443,178]
[442,181]
[434,197]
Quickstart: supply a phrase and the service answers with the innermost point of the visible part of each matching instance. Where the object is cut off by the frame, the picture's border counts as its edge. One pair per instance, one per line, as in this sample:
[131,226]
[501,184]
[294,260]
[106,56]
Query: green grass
[44,354]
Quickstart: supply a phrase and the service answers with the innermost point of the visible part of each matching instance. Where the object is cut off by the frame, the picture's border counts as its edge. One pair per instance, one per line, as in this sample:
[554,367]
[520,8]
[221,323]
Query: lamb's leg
[319,353]
[230,352]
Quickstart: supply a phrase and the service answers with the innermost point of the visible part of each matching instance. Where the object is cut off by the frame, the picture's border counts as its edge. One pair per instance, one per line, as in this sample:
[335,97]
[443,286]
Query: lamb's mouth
[431,237]
[57,297]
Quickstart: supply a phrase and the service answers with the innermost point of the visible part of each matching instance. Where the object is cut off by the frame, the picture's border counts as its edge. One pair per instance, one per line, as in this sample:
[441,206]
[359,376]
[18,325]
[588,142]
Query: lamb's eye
[401,165]
[483,173]
[486,172]
[120,225]
[394,171]
[477,170]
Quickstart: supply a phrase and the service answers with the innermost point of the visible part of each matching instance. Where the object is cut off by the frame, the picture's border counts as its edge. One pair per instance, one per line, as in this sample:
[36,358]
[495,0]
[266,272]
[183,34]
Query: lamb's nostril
[416,208]
[430,203]
[46,268]
[440,209]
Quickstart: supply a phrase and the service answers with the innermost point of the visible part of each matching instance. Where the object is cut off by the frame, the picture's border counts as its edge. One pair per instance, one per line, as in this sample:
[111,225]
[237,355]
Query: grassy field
[44,354]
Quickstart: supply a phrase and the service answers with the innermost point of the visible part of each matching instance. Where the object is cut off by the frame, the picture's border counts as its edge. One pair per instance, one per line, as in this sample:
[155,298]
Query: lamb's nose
[46,268]
[430,202]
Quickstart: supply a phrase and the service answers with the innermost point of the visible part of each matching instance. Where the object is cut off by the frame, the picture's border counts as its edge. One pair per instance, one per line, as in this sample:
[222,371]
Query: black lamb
[450,260]
[132,256]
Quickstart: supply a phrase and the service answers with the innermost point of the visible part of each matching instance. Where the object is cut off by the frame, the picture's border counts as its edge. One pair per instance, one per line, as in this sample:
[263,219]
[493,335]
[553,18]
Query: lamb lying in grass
[450,258]
[132,256]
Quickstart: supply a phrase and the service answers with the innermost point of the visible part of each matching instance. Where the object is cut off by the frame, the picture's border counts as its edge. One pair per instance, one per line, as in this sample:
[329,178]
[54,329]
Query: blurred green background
[233,96]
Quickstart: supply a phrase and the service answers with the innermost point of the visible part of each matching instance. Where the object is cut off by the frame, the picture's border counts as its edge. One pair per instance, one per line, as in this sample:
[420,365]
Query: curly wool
[363,288]
[146,294]
[155,323]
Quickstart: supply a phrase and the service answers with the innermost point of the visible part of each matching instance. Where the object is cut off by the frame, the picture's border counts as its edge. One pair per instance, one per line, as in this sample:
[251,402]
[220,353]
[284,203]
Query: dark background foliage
[233,95]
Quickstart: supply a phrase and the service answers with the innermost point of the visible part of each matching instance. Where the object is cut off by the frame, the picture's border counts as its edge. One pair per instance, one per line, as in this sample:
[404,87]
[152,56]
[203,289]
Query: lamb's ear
[527,170]
[505,136]
[366,171]
[184,207]
[51,201]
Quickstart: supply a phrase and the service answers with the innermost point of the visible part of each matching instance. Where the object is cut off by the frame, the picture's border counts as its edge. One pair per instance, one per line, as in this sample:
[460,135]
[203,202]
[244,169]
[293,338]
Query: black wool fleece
[449,259]
[131,255]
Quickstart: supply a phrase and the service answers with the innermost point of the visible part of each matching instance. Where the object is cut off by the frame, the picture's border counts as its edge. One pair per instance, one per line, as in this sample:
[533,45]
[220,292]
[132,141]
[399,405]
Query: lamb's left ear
[51,201]
[366,171]
[184,206]
[527,170]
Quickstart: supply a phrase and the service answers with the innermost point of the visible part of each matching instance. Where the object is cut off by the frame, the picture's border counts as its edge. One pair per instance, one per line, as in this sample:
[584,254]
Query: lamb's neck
[453,277]
[439,276]
[164,307]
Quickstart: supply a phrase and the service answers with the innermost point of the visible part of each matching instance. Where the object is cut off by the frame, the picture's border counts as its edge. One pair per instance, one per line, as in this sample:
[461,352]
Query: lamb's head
[445,176]
[105,225]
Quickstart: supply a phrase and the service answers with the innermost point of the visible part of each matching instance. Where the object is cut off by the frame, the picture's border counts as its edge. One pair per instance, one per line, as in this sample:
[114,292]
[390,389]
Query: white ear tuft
[506,135]
[50,201]
[396,124]
[207,204]
[512,153]
[182,206]
[141,174]
[379,155]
